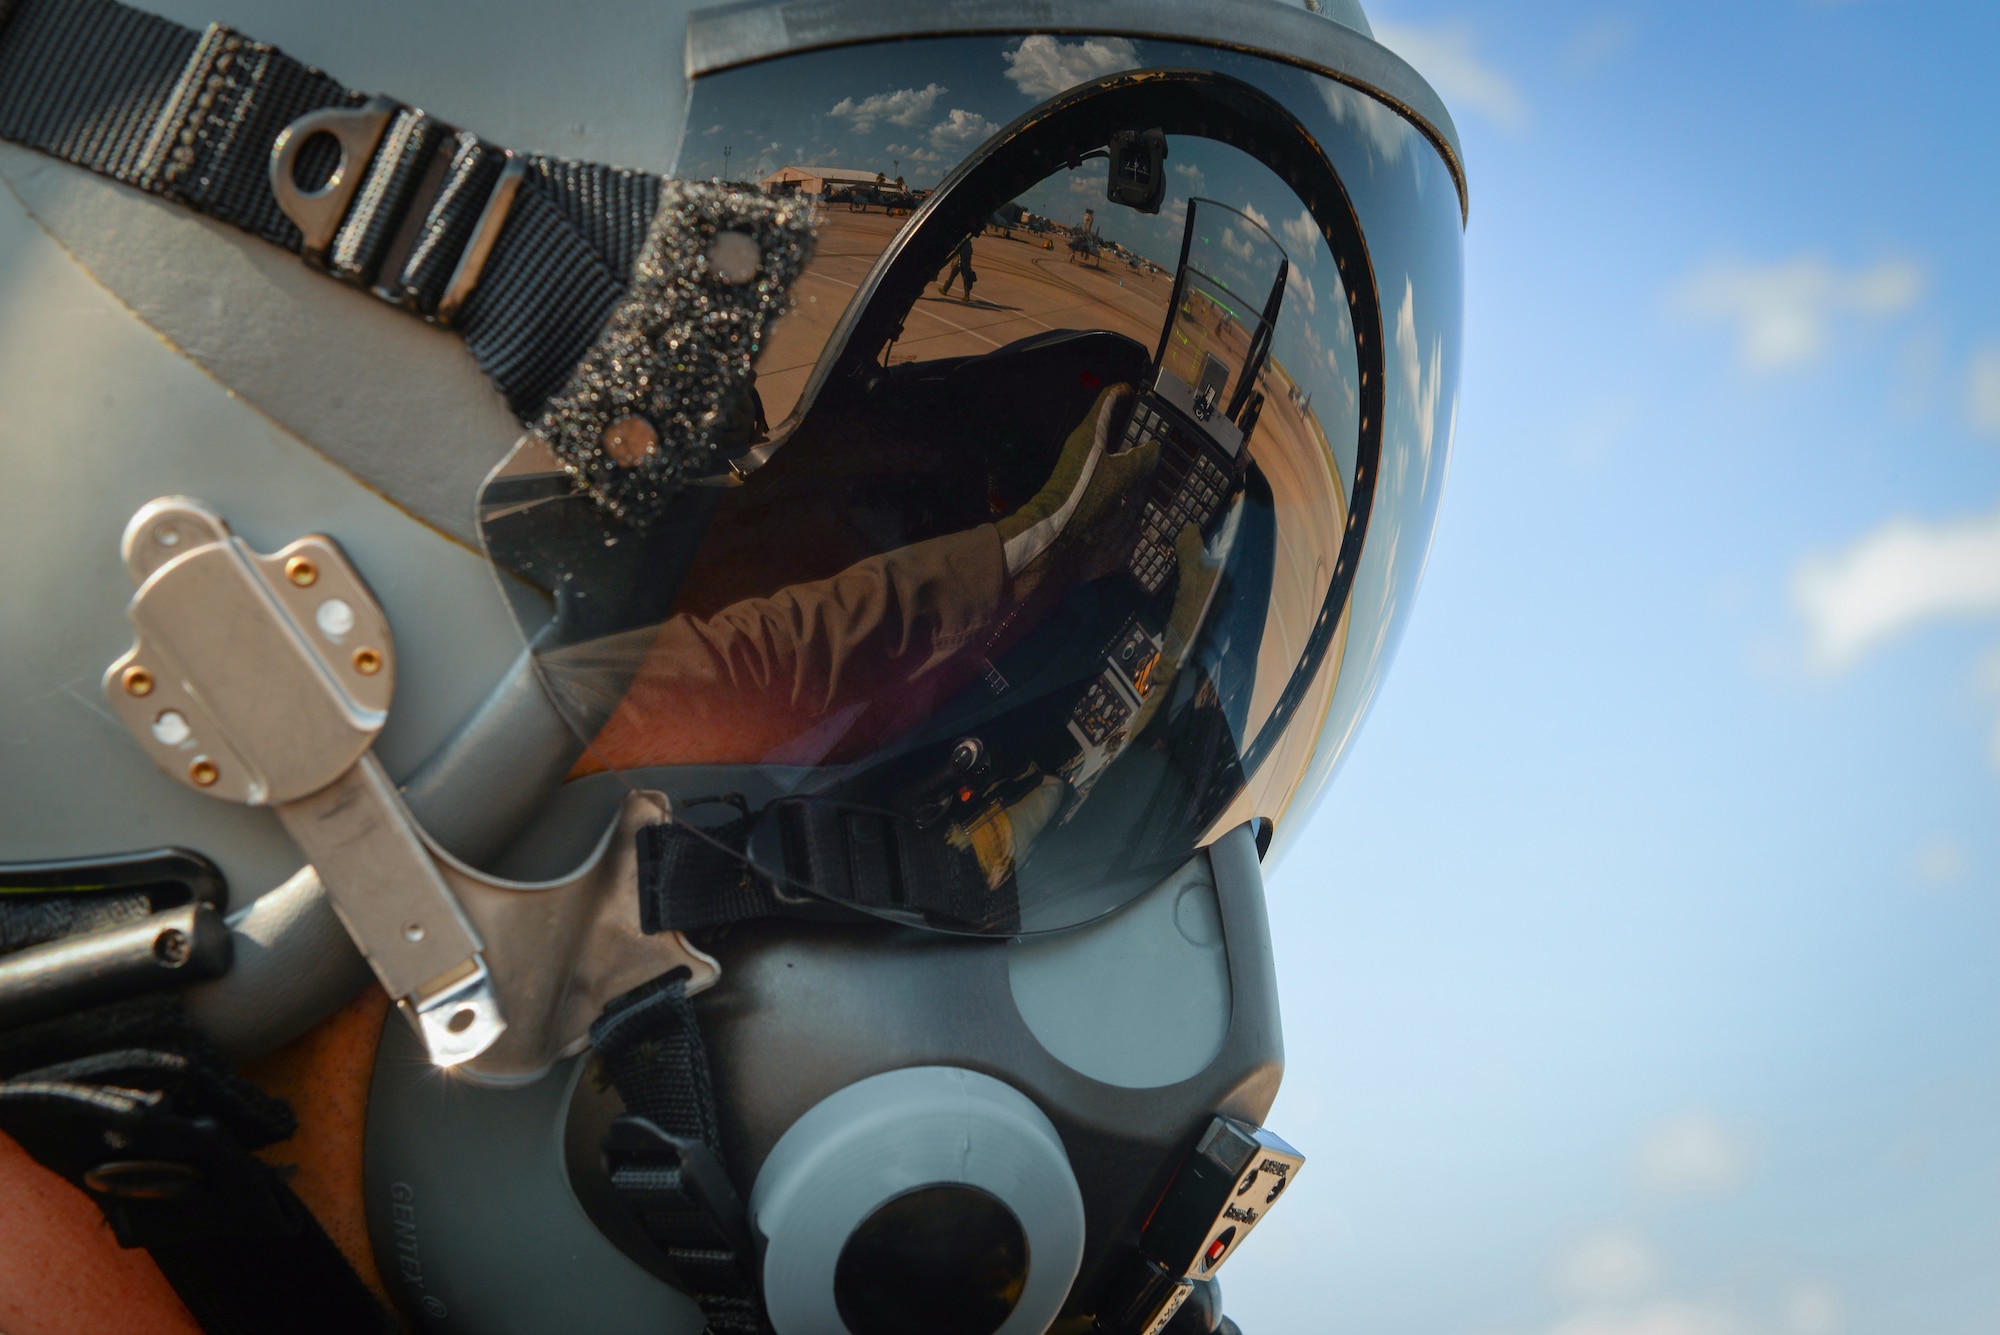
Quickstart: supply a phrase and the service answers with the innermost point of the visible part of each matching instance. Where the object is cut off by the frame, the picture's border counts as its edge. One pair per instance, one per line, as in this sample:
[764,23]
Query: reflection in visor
[1030,571]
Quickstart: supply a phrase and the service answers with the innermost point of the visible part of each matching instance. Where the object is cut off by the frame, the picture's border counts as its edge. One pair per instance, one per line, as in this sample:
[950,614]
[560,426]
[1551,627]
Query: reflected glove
[1080,522]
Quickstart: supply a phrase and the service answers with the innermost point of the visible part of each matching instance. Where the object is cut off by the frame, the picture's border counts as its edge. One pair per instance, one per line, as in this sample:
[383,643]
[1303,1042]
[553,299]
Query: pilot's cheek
[61,1270]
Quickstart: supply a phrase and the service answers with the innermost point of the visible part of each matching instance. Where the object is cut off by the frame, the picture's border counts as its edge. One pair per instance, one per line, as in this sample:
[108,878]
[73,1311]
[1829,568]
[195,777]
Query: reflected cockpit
[1021,593]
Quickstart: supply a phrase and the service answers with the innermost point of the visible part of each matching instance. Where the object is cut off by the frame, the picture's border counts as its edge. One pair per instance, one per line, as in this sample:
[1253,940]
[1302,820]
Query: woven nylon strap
[664,1157]
[193,116]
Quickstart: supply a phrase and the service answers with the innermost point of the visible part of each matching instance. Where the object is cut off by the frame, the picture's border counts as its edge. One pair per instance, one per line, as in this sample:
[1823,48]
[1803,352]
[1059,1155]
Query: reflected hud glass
[857,660]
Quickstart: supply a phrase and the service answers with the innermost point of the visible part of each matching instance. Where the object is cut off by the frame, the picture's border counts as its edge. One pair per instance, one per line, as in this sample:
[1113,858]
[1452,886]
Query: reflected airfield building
[821,181]
[851,186]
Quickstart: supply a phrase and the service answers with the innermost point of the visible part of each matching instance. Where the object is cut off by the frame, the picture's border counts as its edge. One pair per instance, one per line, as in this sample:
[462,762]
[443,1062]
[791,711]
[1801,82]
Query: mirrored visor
[1030,569]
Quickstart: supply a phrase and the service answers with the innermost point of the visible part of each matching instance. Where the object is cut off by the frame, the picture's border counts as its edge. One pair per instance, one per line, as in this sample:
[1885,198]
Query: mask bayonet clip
[264,680]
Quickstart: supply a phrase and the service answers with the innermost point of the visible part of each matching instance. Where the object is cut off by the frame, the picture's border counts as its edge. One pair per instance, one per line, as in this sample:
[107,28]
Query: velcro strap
[188,115]
[884,863]
[664,1159]
[842,855]
[690,879]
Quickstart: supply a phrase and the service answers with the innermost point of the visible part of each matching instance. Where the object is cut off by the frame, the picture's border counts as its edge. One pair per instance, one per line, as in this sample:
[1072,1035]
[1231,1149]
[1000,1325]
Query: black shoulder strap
[526,256]
[157,1131]
[664,1156]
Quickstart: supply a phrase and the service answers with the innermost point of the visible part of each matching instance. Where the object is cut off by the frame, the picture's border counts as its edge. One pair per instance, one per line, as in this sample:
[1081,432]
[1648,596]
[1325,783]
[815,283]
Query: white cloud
[1693,1155]
[1599,41]
[1303,233]
[1250,212]
[1606,1266]
[1236,245]
[1299,287]
[1041,66]
[1814,1308]
[1597,424]
[905,106]
[1940,861]
[1782,311]
[1989,678]
[1384,128]
[1989,671]
[712,130]
[960,130]
[1903,574]
[1190,173]
[1982,389]
[1806,1307]
[1662,1318]
[1446,57]
[1421,384]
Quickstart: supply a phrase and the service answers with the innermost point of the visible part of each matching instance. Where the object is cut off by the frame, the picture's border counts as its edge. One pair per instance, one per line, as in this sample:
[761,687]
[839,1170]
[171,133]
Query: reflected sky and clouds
[914,110]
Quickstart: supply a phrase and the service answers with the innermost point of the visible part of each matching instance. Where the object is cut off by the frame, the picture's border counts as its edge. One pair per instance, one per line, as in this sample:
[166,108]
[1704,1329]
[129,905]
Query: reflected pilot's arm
[859,656]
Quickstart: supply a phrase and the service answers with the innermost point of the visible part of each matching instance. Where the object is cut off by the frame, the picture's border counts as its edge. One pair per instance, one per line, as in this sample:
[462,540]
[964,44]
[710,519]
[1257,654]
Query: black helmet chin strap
[156,1129]
[663,1158]
[129,1102]
[194,116]
[590,294]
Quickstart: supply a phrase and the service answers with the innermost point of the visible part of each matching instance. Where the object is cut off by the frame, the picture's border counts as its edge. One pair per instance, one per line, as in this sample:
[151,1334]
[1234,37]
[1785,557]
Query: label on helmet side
[1175,1298]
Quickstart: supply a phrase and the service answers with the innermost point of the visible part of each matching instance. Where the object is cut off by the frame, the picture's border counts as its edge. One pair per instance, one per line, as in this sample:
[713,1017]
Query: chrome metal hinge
[399,176]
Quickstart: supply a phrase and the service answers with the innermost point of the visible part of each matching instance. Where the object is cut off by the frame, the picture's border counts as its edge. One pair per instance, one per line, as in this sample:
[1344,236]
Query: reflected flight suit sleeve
[816,671]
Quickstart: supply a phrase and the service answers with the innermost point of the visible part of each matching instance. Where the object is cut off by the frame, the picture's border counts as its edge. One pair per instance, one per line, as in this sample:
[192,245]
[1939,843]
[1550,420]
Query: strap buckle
[411,210]
[699,1179]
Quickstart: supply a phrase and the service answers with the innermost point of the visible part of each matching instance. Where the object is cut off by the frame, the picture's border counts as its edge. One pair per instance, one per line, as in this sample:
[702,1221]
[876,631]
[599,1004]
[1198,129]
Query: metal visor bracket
[264,680]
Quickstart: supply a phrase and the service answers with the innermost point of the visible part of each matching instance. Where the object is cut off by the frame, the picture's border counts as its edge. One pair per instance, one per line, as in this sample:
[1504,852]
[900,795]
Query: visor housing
[1024,584]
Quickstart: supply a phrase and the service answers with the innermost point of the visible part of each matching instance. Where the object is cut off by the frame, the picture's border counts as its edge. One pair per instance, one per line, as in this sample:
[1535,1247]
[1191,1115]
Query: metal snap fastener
[734,257]
[630,441]
[141,1179]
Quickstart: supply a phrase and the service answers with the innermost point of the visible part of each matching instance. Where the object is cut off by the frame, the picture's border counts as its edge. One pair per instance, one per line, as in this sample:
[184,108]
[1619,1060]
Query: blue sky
[1640,967]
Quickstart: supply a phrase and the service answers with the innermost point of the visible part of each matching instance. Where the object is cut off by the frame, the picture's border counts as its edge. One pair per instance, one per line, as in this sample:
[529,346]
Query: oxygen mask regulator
[823,889]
